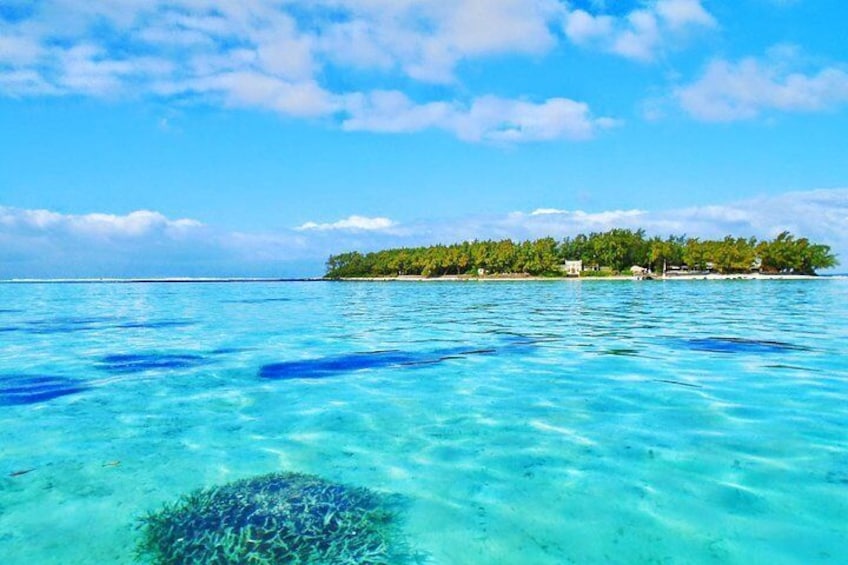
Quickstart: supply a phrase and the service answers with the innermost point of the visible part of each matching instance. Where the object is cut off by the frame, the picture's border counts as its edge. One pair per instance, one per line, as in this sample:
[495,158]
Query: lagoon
[520,422]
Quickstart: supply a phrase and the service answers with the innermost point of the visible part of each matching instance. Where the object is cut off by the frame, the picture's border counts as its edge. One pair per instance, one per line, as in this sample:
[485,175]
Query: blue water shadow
[139,362]
[71,325]
[66,324]
[322,367]
[17,390]
[740,345]
[229,350]
[155,325]
[255,300]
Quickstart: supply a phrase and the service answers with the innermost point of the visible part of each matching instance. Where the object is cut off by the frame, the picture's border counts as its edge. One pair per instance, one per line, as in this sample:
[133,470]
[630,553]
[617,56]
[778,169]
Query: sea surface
[520,422]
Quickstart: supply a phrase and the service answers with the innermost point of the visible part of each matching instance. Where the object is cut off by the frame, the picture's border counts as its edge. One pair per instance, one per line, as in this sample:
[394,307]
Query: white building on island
[572,268]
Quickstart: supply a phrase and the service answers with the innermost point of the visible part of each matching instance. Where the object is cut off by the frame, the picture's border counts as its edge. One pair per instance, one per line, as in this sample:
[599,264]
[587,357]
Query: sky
[152,138]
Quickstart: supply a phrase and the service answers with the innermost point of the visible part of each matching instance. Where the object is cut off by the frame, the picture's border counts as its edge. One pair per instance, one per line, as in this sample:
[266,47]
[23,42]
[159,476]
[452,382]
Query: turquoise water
[542,422]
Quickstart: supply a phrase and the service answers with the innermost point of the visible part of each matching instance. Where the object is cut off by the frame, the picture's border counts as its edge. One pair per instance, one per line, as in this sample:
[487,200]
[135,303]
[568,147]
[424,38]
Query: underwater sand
[545,422]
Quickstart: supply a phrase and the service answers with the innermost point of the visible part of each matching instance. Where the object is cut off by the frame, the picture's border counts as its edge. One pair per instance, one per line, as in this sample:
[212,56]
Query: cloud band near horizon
[47,244]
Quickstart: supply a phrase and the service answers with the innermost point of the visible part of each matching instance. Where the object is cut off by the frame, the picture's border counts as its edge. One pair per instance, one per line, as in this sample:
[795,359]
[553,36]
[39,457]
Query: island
[610,254]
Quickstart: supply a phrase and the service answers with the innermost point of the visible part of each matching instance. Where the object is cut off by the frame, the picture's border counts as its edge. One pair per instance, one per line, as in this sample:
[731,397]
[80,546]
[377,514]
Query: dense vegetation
[612,251]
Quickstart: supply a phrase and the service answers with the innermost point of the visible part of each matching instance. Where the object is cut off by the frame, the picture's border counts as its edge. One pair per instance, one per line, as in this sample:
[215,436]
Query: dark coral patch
[65,324]
[139,362]
[328,366]
[85,324]
[740,345]
[228,350]
[256,300]
[155,324]
[276,518]
[16,390]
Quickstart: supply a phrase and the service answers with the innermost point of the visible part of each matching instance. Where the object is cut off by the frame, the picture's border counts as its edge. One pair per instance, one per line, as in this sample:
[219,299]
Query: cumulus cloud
[256,90]
[681,13]
[132,225]
[144,243]
[281,56]
[426,39]
[641,33]
[547,211]
[351,223]
[487,118]
[19,50]
[820,214]
[546,218]
[729,91]
[175,42]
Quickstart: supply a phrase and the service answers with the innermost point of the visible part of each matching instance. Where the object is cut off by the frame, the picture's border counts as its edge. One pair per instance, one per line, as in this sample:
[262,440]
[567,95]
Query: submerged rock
[276,518]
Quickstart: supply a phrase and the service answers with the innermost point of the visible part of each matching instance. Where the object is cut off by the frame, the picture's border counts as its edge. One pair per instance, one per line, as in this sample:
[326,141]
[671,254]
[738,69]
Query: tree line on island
[611,252]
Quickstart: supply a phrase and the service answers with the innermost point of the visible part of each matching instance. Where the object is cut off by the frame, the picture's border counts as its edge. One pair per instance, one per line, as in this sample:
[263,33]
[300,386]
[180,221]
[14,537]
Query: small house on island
[572,268]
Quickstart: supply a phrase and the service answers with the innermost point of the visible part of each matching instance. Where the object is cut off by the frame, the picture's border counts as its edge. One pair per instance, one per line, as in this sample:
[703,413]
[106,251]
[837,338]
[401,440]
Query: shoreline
[515,278]
[166,280]
[419,278]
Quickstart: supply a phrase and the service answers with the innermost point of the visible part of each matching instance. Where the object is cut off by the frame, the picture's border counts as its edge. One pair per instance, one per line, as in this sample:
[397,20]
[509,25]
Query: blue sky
[201,137]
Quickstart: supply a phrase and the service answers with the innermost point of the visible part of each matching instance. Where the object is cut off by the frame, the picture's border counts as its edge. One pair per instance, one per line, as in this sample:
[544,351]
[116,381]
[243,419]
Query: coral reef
[139,362]
[16,390]
[740,345]
[321,367]
[276,518]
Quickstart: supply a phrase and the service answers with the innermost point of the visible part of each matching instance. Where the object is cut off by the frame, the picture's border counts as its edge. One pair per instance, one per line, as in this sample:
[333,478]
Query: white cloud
[730,91]
[426,39]
[133,225]
[547,211]
[643,32]
[352,223]
[147,243]
[486,118]
[87,69]
[821,215]
[582,27]
[290,57]
[19,50]
[555,222]
[292,41]
[681,13]
[253,89]
[25,82]
[393,112]
[45,243]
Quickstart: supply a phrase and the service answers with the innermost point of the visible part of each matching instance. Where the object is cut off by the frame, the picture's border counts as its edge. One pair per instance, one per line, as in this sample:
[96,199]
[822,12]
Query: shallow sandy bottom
[543,423]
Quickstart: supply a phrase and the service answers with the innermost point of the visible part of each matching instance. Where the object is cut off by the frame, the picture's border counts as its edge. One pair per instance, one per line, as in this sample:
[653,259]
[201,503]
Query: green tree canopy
[617,250]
